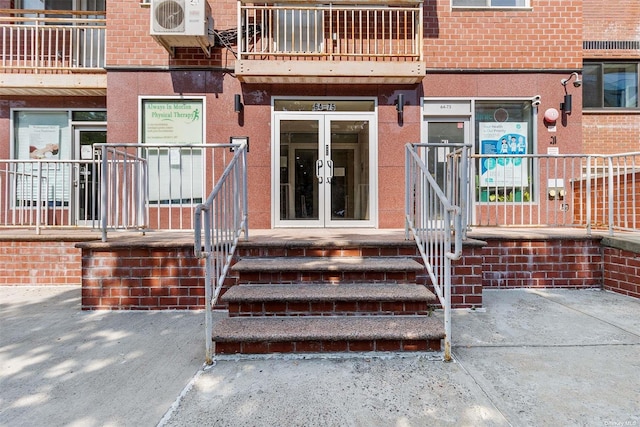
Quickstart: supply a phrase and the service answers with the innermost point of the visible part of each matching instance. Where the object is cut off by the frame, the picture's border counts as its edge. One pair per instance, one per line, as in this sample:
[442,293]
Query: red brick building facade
[473,66]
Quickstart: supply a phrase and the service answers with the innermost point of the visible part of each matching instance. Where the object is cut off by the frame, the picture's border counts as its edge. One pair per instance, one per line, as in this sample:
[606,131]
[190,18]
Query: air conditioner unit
[182,23]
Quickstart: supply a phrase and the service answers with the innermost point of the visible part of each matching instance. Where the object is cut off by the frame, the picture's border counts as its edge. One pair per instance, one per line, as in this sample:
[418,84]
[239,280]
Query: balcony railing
[375,39]
[38,41]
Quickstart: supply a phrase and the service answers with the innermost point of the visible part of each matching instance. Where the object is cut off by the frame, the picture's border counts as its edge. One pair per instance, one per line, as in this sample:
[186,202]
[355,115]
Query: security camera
[576,83]
[535,101]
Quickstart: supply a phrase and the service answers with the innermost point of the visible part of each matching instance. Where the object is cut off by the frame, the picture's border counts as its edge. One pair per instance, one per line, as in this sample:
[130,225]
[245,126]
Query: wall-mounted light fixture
[566,105]
[237,103]
[400,107]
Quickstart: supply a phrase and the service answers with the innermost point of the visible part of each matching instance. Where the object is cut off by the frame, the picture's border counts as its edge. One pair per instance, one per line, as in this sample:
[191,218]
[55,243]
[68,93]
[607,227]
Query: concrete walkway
[531,358]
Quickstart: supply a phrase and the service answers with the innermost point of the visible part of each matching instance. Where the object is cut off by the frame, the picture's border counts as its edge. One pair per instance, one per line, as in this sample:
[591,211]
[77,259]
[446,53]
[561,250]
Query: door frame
[78,155]
[324,134]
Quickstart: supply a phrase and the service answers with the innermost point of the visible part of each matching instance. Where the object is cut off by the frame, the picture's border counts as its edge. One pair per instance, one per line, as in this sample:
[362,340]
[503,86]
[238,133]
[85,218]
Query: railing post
[610,193]
[447,289]
[245,195]
[39,198]
[103,193]
[588,196]
[407,180]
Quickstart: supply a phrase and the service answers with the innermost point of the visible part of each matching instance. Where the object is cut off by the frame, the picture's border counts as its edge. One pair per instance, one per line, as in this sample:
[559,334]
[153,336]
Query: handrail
[52,40]
[220,220]
[330,32]
[434,217]
[594,191]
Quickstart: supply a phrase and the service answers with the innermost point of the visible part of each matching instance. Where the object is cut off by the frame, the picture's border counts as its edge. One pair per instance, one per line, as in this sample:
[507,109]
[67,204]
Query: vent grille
[169,16]
[611,45]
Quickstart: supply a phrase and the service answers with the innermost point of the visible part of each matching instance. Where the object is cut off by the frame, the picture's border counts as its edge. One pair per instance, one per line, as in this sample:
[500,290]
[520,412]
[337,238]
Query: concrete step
[328,299]
[262,335]
[327,269]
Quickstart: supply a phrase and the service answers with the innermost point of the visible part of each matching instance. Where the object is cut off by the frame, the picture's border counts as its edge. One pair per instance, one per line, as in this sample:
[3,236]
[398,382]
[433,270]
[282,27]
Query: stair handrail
[220,220]
[435,218]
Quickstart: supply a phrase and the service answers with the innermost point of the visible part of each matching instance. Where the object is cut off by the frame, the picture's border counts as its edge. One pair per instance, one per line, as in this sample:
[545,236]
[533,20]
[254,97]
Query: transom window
[490,3]
[610,85]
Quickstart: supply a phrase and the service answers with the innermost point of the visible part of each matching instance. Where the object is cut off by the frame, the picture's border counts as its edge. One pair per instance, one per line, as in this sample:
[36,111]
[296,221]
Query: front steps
[303,304]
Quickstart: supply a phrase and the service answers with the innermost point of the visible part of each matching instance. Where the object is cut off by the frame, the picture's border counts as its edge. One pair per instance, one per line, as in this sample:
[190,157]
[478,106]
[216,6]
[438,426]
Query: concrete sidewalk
[532,357]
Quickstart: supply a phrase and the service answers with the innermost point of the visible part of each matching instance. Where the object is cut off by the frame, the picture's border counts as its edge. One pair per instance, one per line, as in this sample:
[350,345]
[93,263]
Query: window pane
[481,3]
[489,3]
[508,3]
[620,85]
[592,86]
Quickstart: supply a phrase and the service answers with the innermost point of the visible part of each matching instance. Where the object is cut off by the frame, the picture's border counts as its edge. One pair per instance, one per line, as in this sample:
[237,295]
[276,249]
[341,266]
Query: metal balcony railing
[39,41]
[330,32]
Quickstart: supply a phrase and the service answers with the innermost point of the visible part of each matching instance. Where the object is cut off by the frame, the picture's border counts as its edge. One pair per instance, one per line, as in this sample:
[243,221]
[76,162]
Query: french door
[324,170]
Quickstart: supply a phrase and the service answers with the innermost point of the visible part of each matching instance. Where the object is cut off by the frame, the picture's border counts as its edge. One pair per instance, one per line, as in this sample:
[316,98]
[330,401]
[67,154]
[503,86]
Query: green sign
[172,121]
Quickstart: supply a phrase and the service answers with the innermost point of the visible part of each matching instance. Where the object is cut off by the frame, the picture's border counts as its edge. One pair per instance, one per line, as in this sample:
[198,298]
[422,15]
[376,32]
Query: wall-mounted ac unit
[182,23]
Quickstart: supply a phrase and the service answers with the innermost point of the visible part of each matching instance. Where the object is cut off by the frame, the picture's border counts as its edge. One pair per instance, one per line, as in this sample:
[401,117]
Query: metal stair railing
[218,224]
[435,217]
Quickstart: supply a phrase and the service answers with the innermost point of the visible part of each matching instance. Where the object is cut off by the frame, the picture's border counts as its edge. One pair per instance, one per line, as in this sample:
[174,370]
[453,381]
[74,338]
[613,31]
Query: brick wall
[130,44]
[553,263]
[39,263]
[618,20]
[546,36]
[622,271]
[146,278]
[466,279]
[606,133]
[626,187]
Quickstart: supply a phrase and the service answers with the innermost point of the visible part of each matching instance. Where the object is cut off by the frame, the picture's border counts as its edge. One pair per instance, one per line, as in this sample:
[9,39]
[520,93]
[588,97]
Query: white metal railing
[48,193]
[38,40]
[330,32]
[434,217]
[157,186]
[587,191]
[219,221]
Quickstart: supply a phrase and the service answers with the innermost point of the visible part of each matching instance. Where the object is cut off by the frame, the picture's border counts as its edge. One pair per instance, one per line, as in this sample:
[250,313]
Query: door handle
[330,172]
[318,167]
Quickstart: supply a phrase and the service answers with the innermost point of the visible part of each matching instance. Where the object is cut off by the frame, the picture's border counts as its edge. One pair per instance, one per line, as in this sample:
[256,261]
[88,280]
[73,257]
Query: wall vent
[611,45]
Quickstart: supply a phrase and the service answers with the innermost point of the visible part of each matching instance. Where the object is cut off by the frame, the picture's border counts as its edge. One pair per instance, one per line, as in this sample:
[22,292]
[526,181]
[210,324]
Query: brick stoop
[327,304]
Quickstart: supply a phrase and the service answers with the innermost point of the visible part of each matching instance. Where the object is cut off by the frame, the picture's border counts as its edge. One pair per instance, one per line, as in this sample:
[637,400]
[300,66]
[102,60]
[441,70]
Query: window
[610,85]
[490,3]
[504,128]
[175,173]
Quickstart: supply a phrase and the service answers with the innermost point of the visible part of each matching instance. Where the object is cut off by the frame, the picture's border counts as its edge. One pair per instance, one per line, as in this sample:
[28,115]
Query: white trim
[370,116]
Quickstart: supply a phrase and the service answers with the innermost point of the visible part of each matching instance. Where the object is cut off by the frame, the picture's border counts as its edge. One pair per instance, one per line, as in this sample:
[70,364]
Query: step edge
[434,330]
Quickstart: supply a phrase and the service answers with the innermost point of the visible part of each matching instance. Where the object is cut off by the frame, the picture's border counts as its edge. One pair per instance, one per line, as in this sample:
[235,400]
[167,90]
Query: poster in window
[43,142]
[503,139]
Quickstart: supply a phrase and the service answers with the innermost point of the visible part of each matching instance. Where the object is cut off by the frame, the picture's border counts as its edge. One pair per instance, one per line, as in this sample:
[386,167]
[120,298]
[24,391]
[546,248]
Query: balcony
[53,52]
[304,42]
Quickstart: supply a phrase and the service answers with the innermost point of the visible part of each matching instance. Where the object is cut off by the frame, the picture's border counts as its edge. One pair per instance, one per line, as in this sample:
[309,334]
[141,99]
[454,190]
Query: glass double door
[324,171]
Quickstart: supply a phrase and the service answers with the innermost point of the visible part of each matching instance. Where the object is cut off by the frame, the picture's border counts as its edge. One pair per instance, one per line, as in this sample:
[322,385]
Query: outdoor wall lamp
[400,107]
[565,106]
[237,103]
